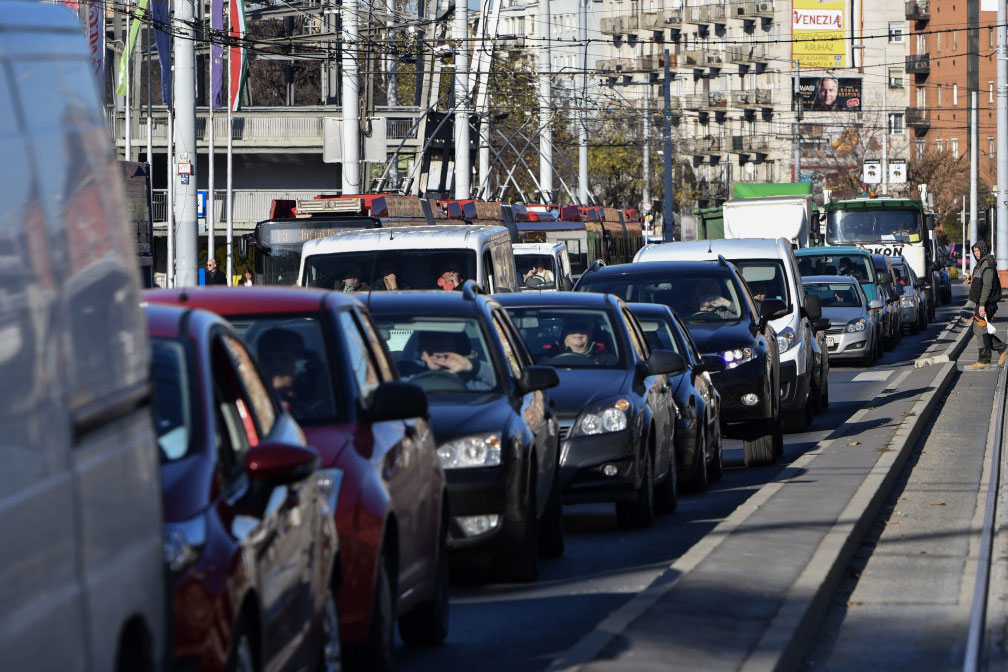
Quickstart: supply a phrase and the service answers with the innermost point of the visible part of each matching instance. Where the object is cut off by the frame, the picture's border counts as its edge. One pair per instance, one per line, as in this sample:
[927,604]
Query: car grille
[565,429]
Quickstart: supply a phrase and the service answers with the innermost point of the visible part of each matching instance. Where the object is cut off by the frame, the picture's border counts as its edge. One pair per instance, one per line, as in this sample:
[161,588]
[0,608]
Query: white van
[415,257]
[769,267]
[82,582]
[555,263]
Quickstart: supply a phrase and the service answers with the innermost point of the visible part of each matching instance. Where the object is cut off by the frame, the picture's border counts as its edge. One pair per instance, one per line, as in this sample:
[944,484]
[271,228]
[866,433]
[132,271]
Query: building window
[938,37]
[921,97]
[895,78]
[922,44]
[955,39]
[990,92]
[938,145]
[955,147]
[955,95]
[990,146]
[896,123]
[896,32]
[920,148]
[939,95]
[990,37]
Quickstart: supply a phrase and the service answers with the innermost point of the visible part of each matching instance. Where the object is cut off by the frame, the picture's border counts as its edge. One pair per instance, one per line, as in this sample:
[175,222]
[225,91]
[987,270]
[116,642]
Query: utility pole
[647,150]
[184,175]
[973,165]
[545,101]
[885,127]
[1002,138]
[798,116]
[350,168]
[463,168]
[668,203]
[583,111]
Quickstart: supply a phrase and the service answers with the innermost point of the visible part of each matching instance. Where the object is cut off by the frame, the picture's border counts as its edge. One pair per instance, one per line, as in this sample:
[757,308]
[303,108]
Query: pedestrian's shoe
[976,366]
[1003,358]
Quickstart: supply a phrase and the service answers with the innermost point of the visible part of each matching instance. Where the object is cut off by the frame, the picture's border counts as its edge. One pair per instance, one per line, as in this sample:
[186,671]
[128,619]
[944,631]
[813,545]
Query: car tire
[666,495]
[716,468]
[329,655]
[761,450]
[701,479]
[427,623]
[241,658]
[778,430]
[639,512]
[824,396]
[377,652]
[551,527]
[522,565]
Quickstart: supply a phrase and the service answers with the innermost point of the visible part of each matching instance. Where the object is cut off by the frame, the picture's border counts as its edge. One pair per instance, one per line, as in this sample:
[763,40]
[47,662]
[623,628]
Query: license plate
[830,342]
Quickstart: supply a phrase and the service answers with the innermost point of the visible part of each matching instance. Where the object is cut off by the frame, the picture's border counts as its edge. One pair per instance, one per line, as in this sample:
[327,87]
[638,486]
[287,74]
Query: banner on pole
[162,38]
[217,53]
[134,29]
[96,45]
[237,66]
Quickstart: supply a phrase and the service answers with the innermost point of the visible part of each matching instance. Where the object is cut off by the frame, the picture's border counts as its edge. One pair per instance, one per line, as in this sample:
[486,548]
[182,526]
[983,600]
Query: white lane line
[866,376]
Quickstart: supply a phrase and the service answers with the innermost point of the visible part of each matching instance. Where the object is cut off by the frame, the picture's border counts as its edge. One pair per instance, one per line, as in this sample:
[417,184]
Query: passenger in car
[353,281]
[279,351]
[451,353]
[707,297]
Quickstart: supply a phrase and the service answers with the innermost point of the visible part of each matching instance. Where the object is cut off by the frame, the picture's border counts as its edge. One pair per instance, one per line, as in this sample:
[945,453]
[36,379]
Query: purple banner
[161,11]
[217,53]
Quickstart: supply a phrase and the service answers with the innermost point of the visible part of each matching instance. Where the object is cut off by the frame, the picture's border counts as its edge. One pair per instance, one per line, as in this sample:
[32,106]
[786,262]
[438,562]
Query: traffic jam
[439,379]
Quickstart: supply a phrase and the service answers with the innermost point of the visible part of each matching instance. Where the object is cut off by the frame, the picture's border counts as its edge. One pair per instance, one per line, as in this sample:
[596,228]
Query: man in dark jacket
[985,292]
[213,274]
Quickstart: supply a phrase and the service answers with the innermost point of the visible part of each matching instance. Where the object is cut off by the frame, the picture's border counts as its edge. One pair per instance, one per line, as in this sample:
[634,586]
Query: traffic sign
[646,206]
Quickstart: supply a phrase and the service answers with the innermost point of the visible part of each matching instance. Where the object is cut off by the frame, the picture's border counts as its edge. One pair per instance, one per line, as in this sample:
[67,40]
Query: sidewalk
[753,591]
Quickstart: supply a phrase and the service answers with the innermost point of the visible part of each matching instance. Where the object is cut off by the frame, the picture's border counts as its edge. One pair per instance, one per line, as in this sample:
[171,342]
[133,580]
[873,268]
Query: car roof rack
[470,288]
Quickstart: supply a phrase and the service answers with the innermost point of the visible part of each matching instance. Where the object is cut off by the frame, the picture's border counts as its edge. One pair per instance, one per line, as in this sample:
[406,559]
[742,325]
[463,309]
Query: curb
[785,641]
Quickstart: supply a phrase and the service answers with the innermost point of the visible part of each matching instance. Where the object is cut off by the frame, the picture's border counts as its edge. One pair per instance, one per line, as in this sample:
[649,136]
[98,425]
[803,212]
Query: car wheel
[824,396]
[241,658]
[760,450]
[522,566]
[701,479]
[427,624]
[377,651]
[329,657]
[639,512]
[778,430]
[551,527]
[716,468]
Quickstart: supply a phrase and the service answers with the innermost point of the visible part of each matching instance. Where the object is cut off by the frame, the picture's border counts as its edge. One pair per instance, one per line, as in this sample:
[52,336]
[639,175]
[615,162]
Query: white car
[851,335]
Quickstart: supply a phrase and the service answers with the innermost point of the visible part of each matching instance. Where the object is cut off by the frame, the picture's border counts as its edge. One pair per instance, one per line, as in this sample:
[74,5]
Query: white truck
[789,217]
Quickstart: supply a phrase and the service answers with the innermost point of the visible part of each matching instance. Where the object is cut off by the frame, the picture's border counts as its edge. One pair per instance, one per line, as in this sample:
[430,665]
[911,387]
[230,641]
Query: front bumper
[582,459]
[487,491]
[848,345]
[732,384]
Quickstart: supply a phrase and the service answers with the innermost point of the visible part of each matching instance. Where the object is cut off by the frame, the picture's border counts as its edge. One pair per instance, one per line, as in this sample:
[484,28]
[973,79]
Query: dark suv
[732,332]
[617,413]
[496,437]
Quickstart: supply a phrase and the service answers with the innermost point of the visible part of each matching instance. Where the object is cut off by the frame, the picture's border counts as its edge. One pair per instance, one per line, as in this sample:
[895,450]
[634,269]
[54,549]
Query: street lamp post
[885,112]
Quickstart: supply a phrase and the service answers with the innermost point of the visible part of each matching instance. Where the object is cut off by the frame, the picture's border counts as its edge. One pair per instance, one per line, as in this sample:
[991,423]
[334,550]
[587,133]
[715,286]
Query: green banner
[134,30]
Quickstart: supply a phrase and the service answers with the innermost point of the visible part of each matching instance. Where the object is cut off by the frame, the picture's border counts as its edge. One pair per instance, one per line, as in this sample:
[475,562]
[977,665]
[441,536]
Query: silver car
[913,303]
[851,335]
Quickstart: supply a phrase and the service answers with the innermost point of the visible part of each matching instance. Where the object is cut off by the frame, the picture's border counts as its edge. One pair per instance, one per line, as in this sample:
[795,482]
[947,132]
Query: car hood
[580,388]
[456,415]
[841,316]
[716,337]
[185,487]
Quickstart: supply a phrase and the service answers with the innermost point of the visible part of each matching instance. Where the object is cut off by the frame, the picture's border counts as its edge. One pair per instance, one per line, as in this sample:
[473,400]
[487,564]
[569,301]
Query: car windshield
[765,278]
[440,354]
[659,333]
[569,338]
[834,294]
[873,226]
[901,274]
[538,271]
[696,297]
[855,265]
[293,357]
[376,270]
[173,404]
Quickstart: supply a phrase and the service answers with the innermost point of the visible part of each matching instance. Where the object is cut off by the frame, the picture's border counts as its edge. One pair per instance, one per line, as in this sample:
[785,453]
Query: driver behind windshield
[707,297]
[539,271]
[449,353]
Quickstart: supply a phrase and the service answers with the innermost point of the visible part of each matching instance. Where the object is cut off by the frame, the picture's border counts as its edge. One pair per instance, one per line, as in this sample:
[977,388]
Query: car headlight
[736,356]
[785,340]
[604,418]
[906,302]
[481,450]
[183,542]
[856,325]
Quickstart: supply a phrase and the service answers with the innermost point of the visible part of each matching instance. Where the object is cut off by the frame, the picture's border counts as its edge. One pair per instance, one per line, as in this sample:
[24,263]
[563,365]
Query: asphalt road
[524,627]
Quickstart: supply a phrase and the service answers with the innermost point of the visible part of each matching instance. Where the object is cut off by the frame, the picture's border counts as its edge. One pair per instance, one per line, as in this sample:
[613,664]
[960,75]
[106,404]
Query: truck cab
[552,258]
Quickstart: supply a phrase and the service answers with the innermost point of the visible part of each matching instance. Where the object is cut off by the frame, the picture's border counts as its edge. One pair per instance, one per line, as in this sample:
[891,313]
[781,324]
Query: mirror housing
[813,307]
[275,463]
[396,400]
[821,324]
[665,362]
[535,378]
[771,309]
[875,304]
[712,363]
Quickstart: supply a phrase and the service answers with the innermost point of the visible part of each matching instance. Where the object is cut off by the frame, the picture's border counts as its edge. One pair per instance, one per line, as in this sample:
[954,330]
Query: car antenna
[709,247]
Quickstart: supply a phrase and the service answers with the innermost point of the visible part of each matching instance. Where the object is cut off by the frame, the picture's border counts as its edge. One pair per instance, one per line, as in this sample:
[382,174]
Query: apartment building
[952,53]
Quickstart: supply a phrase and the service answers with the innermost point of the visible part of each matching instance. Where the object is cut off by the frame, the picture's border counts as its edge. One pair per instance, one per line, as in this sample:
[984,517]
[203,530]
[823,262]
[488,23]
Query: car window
[174,419]
[377,350]
[659,333]
[696,296]
[295,361]
[371,270]
[572,338]
[687,339]
[509,353]
[766,278]
[235,428]
[636,338]
[257,396]
[835,294]
[362,364]
[441,354]
[856,265]
[514,337]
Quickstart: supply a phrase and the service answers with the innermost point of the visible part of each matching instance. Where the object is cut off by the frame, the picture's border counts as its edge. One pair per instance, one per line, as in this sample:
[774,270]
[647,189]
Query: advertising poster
[830,94]
[818,29]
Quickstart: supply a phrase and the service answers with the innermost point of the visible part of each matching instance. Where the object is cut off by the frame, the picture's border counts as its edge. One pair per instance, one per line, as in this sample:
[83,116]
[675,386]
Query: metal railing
[248,205]
[917,10]
[918,64]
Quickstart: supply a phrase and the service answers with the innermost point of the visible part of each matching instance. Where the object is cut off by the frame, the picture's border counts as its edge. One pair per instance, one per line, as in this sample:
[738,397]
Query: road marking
[867,376]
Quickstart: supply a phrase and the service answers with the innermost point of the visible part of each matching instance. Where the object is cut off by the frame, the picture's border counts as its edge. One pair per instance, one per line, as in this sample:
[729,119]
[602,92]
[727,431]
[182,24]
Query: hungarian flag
[238,68]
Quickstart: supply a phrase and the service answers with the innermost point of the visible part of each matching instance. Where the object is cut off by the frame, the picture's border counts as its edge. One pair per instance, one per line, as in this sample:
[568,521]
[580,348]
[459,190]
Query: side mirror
[900,290]
[821,324]
[813,307]
[712,363]
[665,361]
[876,305]
[537,378]
[396,400]
[884,278]
[771,309]
[274,463]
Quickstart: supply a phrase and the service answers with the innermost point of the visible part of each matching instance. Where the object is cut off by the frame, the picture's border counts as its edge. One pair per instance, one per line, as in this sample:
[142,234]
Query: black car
[698,432]
[497,438]
[734,335]
[617,416]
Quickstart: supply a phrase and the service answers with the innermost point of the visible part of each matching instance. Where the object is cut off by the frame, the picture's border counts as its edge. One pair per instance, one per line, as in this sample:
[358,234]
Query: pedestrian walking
[214,276]
[985,292]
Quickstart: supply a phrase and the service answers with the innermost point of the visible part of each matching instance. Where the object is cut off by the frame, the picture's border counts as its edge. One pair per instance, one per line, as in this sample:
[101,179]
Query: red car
[323,356]
[249,538]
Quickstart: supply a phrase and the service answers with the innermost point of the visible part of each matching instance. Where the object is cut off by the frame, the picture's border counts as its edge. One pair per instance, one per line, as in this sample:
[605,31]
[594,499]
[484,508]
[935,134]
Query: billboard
[818,29]
[827,93]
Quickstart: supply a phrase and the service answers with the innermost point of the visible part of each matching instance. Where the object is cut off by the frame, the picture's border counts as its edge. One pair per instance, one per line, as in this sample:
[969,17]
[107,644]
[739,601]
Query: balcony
[614,66]
[745,100]
[745,53]
[698,15]
[756,144]
[709,146]
[624,24]
[667,18]
[717,14]
[717,100]
[691,59]
[695,102]
[917,118]
[743,10]
[713,59]
[656,104]
[918,10]
[607,26]
[918,64]
[712,191]
[764,98]
[765,9]
[654,62]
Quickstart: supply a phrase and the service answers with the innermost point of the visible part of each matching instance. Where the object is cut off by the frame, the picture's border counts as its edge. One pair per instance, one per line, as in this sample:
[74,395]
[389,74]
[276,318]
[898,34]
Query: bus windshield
[390,269]
[873,226]
[278,242]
